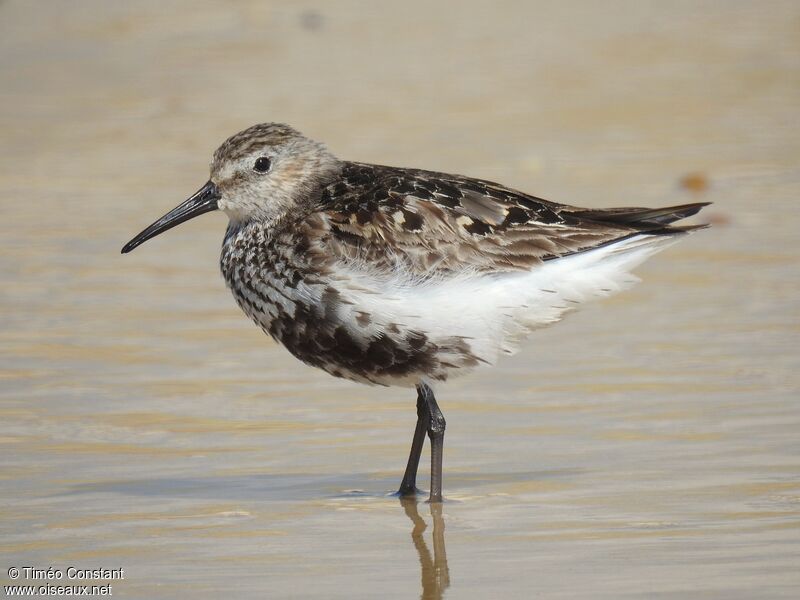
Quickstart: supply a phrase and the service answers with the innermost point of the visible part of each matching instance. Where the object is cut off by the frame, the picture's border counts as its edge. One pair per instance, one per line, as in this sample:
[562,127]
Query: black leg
[436,427]
[408,487]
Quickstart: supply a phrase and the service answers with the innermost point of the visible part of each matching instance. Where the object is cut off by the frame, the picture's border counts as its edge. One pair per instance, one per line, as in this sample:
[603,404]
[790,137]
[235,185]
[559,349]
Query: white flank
[492,312]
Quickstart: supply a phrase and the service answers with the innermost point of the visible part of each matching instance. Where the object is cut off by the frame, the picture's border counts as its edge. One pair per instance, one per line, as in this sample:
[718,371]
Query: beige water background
[648,446]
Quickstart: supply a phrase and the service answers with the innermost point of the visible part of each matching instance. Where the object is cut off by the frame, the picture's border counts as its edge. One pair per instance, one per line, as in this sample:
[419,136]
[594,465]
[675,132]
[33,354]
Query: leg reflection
[435,575]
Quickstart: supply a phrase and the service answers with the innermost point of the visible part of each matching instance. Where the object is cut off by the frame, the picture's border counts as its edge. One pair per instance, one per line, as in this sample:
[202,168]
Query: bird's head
[261,173]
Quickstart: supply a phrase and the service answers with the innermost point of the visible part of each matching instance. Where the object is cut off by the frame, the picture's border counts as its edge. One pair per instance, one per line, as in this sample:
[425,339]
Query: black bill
[203,201]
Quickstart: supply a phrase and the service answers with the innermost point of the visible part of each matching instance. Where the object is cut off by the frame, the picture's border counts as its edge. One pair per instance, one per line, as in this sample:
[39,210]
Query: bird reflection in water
[435,575]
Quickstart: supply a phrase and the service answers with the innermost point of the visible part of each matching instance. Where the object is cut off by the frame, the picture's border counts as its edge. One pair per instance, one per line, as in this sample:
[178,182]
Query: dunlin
[405,277]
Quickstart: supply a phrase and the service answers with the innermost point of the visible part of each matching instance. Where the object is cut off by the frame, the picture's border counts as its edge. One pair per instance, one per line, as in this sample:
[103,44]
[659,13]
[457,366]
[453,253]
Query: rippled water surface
[645,447]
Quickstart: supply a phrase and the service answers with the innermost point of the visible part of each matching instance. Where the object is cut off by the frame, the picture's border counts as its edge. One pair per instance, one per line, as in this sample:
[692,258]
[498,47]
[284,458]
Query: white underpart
[493,312]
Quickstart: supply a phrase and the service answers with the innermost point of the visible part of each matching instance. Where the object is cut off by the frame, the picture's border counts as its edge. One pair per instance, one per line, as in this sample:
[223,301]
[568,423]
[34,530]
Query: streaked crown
[269,169]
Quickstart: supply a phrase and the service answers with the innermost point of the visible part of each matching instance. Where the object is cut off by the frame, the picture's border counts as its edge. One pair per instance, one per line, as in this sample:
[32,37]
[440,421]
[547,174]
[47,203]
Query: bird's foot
[410,491]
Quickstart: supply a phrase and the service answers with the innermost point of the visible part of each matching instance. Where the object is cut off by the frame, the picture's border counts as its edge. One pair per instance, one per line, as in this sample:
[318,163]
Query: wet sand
[645,447]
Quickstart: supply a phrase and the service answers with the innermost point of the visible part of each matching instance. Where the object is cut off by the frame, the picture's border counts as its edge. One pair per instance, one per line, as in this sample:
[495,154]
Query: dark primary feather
[647,216]
[433,222]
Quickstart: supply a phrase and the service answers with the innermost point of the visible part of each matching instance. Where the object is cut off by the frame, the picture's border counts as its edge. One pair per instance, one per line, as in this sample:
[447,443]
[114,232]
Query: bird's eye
[262,164]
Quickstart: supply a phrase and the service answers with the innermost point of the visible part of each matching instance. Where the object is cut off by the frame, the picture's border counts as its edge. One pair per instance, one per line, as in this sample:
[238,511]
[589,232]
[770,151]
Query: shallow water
[645,447]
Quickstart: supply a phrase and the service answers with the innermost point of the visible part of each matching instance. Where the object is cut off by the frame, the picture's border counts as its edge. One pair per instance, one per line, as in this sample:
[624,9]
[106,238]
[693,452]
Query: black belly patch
[330,346]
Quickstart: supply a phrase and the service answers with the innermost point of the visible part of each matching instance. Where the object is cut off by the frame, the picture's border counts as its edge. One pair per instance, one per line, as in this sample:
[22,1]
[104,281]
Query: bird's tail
[646,218]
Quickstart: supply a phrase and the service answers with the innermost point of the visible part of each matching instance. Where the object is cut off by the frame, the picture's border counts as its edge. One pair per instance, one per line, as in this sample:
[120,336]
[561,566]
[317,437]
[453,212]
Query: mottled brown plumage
[404,276]
[439,222]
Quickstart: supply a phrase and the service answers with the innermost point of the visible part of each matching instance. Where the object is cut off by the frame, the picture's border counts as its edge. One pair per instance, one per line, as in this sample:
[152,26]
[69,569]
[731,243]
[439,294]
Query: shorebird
[405,277]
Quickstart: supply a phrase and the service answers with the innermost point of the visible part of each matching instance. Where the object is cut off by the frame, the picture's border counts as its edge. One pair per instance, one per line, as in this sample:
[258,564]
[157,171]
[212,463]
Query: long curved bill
[204,200]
